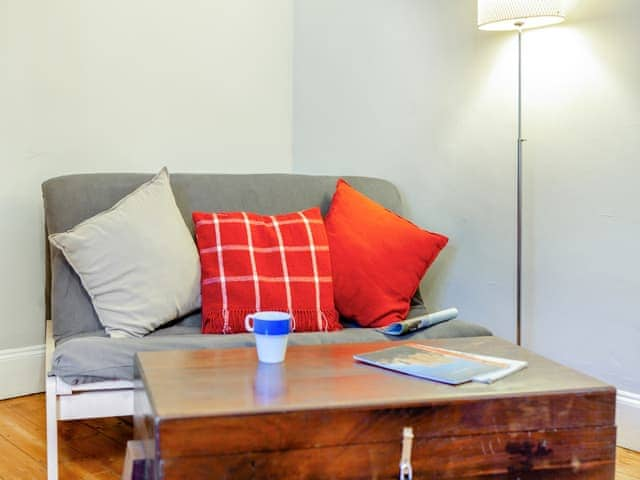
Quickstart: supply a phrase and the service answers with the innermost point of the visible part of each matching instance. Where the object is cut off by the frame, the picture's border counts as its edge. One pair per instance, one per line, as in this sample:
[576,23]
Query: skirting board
[628,420]
[21,371]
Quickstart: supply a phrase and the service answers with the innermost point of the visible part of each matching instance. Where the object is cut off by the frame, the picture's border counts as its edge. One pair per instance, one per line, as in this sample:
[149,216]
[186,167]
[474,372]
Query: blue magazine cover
[441,365]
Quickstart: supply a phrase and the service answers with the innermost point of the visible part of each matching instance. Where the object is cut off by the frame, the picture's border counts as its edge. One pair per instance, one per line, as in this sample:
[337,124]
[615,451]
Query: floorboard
[94,449]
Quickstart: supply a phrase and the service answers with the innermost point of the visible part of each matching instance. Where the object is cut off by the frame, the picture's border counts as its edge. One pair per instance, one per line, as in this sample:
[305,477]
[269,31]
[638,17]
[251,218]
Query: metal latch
[406,472]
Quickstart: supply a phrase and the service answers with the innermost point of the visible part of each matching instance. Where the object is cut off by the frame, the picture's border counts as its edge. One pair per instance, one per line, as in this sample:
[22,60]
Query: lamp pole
[519,196]
[503,15]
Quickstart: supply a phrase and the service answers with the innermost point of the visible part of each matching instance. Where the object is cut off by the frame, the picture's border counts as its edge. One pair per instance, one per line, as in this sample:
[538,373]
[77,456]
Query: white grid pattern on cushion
[252,263]
[491,11]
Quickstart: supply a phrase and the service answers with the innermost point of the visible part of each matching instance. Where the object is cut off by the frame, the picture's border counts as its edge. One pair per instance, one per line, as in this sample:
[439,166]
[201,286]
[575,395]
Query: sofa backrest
[70,199]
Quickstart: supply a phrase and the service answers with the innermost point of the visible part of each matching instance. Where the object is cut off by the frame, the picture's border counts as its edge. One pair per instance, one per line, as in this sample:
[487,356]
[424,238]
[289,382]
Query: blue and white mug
[272,331]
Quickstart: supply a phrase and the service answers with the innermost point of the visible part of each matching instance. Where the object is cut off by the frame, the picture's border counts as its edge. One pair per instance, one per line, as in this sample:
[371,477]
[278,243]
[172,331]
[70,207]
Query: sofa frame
[76,402]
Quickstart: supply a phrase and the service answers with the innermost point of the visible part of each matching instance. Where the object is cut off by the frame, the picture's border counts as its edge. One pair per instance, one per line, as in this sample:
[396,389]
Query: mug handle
[247,324]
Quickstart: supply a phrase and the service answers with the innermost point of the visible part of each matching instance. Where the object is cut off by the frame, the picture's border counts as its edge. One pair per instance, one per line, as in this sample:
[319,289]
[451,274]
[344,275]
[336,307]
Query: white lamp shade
[518,14]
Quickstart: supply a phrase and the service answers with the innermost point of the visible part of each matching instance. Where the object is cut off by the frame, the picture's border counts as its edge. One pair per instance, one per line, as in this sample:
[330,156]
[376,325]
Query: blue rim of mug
[275,323]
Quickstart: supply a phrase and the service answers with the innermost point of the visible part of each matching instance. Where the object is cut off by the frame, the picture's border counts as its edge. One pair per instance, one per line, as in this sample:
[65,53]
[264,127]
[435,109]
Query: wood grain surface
[499,455]
[232,382]
[323,415]
[23,446]
[299,430]
[89,449]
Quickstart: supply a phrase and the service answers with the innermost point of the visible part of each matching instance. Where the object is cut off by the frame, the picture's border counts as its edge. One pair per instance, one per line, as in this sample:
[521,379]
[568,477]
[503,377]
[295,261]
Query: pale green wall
[411,91]
[92,85]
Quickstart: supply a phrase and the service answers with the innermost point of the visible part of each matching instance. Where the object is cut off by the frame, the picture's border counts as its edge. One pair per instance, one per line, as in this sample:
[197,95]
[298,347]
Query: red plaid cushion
[253,263]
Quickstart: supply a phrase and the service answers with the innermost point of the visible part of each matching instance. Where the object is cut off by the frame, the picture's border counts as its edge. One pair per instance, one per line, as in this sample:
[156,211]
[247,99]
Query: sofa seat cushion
[85,359]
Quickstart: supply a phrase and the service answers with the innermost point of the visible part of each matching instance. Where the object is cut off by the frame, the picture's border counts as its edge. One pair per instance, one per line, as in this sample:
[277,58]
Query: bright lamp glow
[518,14]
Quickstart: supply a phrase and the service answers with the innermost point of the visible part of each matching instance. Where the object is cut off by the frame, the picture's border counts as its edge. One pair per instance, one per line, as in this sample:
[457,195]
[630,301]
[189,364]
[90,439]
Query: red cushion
[378,258]
[254,263]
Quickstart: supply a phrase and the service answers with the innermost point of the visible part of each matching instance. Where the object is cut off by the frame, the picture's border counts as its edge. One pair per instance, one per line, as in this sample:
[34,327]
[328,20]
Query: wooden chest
[220,414]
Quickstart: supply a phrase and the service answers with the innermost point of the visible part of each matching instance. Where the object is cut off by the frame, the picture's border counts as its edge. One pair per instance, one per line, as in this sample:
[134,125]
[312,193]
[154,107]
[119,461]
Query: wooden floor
[89,449]
[94,449]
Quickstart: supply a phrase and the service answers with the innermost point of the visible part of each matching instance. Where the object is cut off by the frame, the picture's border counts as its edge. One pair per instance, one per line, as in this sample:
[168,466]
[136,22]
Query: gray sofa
[83,352]
[91,375]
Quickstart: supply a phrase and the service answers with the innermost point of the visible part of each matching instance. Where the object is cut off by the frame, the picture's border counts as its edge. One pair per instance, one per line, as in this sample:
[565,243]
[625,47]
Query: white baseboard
[628,420]
[21,371]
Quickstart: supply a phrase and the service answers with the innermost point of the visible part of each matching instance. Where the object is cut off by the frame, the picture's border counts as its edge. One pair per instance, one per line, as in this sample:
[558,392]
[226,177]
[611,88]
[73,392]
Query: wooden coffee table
[220,414]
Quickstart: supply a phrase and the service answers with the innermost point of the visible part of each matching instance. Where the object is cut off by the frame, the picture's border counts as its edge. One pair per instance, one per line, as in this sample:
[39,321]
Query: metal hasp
[406,471]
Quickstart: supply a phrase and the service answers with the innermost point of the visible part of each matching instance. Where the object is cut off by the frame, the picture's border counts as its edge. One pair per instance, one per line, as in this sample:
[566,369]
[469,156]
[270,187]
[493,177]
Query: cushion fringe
[233,319]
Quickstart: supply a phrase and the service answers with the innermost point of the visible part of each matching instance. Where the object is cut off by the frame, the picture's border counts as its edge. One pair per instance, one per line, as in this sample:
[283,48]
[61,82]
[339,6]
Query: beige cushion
[137,260]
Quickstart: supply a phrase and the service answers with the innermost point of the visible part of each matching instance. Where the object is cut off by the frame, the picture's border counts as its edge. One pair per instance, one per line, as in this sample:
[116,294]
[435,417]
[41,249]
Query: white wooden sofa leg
[52,429]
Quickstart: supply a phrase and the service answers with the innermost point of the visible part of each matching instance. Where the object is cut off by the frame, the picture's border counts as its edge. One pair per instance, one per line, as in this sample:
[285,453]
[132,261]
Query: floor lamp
[503,15]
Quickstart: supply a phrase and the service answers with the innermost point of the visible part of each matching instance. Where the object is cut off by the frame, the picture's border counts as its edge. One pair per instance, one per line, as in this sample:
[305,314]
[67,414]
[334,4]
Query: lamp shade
[518,14]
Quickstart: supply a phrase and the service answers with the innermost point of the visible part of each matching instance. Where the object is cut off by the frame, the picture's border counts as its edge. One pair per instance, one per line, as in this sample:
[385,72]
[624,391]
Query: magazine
[441,364]
[418,323]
